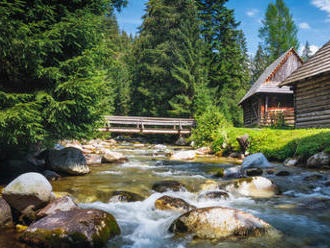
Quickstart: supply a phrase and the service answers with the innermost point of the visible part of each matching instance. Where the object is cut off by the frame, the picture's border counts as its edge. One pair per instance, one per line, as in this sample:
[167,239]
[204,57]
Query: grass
[275,144]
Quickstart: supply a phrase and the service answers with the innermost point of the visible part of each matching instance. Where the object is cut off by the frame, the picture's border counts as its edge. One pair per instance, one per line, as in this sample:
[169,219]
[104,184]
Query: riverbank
[275,144]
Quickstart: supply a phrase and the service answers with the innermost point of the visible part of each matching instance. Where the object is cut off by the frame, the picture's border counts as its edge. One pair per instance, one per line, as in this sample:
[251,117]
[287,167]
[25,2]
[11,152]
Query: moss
[109,230]
[220,172]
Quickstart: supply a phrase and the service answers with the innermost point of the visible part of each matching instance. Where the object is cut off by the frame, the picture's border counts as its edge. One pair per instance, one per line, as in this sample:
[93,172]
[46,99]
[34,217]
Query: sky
[312,18]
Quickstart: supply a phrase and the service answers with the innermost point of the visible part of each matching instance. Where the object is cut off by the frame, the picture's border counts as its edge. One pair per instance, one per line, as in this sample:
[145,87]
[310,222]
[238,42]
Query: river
[301,213]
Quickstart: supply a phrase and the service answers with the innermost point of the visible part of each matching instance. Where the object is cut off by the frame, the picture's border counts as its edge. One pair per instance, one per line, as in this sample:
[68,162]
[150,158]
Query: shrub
[207,126]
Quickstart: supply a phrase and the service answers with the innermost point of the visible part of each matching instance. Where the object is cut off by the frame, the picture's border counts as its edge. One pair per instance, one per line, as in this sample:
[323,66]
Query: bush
[207,126]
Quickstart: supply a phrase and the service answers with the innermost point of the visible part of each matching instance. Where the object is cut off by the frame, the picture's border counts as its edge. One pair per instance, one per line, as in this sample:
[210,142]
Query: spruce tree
[307,53]
[259,64]
[278,31]
[165,75]
[228,64]
[52,70]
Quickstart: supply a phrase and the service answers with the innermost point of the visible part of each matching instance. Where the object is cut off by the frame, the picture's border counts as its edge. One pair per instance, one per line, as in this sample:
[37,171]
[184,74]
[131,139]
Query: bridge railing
[145,124]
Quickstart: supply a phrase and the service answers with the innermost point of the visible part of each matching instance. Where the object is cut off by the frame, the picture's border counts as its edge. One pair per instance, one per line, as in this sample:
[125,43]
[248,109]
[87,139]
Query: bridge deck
[123,124]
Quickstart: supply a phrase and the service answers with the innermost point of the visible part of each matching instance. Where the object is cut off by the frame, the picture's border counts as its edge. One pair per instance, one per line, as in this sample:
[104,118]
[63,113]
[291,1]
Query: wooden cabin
[267,104]
[311,86]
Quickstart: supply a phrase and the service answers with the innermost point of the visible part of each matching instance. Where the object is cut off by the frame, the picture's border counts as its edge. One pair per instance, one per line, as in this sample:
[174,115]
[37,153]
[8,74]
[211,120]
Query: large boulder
[10,169]
[125,196]
[173,204]
[169,185]
[252,186]
[6,218]
[28,190]
[69,160]
[112,157]
[184,155]
[219,223]
[319,161]
[63,204]
[257,160]
[74,228]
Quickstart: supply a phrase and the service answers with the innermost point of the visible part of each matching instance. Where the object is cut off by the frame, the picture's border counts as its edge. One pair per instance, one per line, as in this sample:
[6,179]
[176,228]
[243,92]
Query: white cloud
[304,25]
[323,5]
[252,12]
[313,48]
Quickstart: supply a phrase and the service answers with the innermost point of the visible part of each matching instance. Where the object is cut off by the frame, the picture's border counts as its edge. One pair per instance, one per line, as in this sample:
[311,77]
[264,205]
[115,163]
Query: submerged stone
[219,223]
[169,185]
[215,195]
[74,228]
[172,203]
[125,196]
[209,185]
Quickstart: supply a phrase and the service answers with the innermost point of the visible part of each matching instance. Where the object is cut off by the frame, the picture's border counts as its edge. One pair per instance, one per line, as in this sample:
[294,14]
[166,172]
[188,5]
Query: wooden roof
[264,83]
[317,64]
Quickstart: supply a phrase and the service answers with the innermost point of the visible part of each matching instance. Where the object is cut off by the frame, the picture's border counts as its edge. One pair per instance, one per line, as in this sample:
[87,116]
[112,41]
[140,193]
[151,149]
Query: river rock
[253,172]
[112,157]
[160,147]
[204,151]
[257,160]
[214,195]
[6,218]
[69,160]
[93,159]
[125,196]
[209,185]
[252,186]
[314,177]
[319,160]
[283,173]
[237,155]
[290,162]
[233,172]
[28,190]
[184,155]
[219,223]
[59,204]
[172,203]
[74,228]
[169,185]
[181,141]
[51,175]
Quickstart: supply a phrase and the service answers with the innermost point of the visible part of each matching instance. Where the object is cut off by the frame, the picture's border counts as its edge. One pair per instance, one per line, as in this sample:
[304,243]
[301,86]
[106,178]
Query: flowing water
[301,225]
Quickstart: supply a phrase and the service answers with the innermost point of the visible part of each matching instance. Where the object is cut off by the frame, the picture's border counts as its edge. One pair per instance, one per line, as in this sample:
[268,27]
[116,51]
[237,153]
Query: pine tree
[259,64]
[52,70]
[228,64]
[165,75]
[307,53]
[278,30]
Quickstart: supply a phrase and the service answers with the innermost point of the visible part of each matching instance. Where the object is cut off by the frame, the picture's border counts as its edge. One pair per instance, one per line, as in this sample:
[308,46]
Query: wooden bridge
[148,125]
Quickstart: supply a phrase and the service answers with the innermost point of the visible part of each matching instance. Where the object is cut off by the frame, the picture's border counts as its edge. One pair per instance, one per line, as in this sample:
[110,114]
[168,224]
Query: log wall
[312,101]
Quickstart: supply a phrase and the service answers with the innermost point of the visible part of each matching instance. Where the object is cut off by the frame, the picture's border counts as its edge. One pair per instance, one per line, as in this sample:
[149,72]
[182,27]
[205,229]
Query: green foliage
[53,69]
[276,144]
[259,64]
[207,126]
[278,30]
[228,64]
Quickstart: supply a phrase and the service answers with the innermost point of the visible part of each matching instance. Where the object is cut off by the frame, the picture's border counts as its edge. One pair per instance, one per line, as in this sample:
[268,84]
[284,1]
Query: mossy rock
[173,204]
[169,185]
[74,228]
